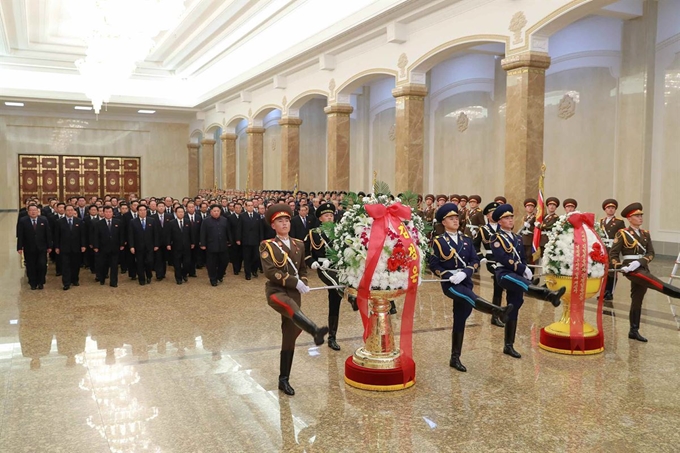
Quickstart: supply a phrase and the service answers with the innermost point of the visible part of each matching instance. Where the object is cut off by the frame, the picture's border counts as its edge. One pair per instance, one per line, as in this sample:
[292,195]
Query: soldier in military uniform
[439,228]
[610,225]
[428,211]
[486,234]
[463,213]
[316,243]
[500,199]
[632,252]
[475,219]
[569,205]
[513,274]
[549,220]
[284,267]
[454,259]
[527,230]
[454,198]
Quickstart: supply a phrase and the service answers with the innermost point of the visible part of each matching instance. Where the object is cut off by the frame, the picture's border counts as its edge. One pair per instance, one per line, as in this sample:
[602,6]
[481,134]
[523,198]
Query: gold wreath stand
[561,328]
[380,351]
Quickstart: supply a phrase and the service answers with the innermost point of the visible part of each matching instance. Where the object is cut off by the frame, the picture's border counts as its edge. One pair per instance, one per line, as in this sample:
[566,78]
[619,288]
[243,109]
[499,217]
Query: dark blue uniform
[508,252]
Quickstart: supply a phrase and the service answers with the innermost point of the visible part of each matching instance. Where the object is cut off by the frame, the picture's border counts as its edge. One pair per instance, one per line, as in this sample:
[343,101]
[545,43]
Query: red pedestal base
[562,345]
[377,380]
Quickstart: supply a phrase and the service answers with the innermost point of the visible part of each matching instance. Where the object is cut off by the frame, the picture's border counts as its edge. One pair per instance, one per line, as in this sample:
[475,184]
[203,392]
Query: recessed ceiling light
[14,104]
[149,112]
[82,107]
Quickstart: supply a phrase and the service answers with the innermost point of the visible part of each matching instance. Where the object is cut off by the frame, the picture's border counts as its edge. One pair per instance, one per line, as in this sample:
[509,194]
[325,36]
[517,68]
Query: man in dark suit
[203,214]
[91,220]
[54,215]
[128,217]
[160,256]
[194,219]
[34,241]
[267,231]
[180,239]
[69,243]
[143,240]
[215,239]
[301,224]
[107,242]
[251,236]
[235,253]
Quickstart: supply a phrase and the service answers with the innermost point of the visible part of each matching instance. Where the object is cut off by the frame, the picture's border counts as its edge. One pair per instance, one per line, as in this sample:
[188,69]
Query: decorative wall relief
[284,102]
[331,88]
[517,23]
[392,133]
[250,113]
[463,122]
[401,64]
[567,107]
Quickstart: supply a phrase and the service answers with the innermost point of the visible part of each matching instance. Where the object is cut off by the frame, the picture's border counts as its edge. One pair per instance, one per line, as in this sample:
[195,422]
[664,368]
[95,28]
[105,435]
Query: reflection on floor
[194,368]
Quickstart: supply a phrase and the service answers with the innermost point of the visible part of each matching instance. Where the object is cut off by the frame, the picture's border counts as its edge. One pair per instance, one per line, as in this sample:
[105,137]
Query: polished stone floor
[192,368]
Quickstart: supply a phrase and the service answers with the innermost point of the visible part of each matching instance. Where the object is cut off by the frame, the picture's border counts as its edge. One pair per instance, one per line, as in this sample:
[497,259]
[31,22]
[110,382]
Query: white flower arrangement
[558,257]
[350,238]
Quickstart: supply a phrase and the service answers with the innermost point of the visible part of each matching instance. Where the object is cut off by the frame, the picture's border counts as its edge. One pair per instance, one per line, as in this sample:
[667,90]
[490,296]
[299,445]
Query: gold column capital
[255,130]
[410,90]
[228,136]
[535,60]
[289,121]
[208,141]
[339,109]
[193,145]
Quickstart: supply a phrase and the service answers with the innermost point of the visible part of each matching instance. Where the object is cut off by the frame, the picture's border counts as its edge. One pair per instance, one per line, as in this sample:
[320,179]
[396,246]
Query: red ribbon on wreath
[385,217]
[580,278]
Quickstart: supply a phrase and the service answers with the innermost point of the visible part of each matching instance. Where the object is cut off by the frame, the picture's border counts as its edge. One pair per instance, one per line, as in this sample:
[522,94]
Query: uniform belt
[608,242]
[631,257]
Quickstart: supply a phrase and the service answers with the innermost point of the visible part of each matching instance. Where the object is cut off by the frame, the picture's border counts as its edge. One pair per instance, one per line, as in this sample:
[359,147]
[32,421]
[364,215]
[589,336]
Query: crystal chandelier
[119,33]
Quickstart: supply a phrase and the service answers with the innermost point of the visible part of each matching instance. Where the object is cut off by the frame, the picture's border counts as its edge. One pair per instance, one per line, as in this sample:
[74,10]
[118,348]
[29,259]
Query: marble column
[524,115]
[290,150]
[410,137]
[228,160]
[193,168]
[255,157]
[632,164]
[208,163]
[337,148]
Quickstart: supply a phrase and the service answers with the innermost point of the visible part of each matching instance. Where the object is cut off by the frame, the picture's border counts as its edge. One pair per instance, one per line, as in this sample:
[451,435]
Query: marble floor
[192,368]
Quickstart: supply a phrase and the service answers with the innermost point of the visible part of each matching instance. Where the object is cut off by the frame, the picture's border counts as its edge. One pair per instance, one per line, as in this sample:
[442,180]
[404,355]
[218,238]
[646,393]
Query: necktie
[143,224]
[161,219]
[70,224]
[108,223]
[251,215]
[304,222]
[34,224]
[181,224]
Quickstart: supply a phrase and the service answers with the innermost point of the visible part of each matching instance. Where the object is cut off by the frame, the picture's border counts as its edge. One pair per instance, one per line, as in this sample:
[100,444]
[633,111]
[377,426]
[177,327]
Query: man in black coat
[34,241]
[251,236]
[195,220]
[128,217]
[235,226]
[301,224]
[107,242]
[160,256]
[69,244]
[180,239]
[91,220]
[143,239]
[55,214]
[215,239]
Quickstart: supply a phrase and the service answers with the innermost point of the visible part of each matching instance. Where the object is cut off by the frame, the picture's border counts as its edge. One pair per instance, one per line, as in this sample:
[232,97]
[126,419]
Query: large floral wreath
[558,257]
[350,239]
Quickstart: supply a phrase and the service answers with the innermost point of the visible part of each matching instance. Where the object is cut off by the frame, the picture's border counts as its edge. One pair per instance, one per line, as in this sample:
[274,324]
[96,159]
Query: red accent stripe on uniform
[285,306]
[652,282]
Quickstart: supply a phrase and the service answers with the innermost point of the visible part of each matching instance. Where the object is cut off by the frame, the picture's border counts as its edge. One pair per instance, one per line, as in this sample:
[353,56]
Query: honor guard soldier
[439,228]
[513,274]
[486,234]
[475,219]
[500,199]
[454,259]
[632,251]
[462,213]
[284,268]
[549,220]
[569,205]
[610,225]
[316,243]
[428,212]
[527,230]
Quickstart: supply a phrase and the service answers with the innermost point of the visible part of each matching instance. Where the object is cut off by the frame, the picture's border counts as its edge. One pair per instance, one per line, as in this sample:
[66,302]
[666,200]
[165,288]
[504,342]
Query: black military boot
[304,323]
[633,333]
[332,330]
[495,320]
[510,329]
[501,314]
[353,302]
[553,297]
[284,367]
[456,347]
[393,308]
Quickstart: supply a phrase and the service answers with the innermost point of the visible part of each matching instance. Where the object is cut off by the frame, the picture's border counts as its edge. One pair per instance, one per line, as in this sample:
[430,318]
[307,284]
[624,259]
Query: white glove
[304,289]
[325,264]
[528,274]
[527,225]
[458,277]
[483,261]
[315,265]
[631,267]
[537,224]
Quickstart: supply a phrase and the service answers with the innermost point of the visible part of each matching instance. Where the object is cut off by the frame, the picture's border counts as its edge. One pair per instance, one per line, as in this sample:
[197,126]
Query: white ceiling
[216,45]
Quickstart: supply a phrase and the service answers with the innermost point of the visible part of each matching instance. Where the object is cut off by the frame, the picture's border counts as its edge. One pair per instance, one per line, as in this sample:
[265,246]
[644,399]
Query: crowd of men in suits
[143,236]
